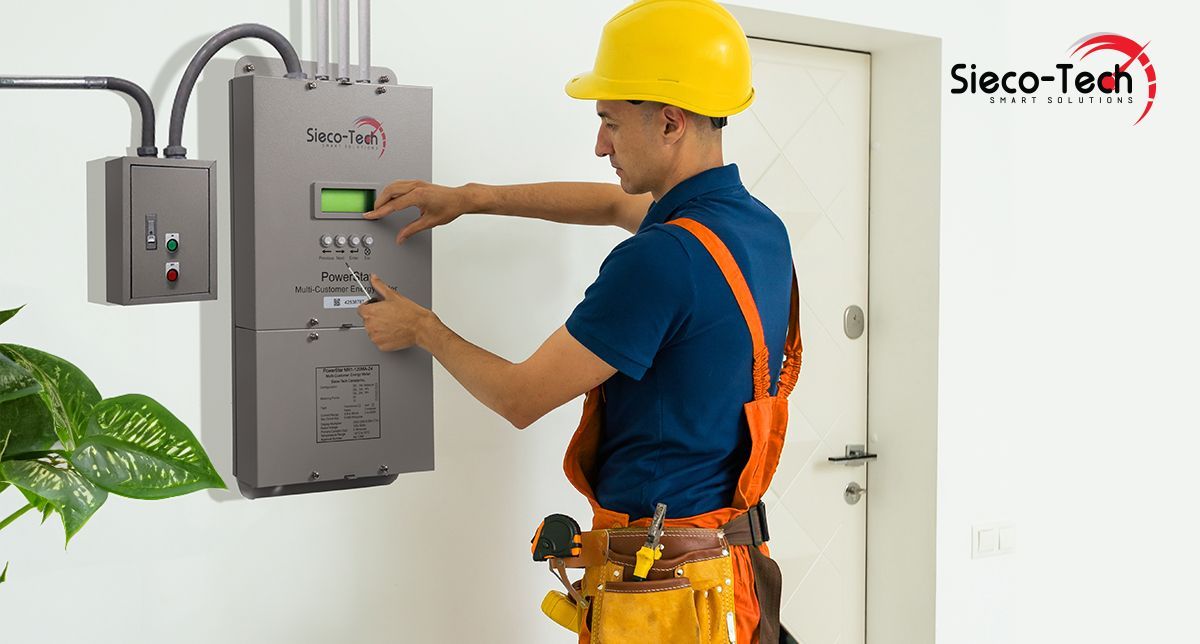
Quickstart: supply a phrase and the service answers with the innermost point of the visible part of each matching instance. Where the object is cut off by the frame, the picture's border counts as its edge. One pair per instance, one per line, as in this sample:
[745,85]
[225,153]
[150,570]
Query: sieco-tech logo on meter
[367,134]
[1113,86]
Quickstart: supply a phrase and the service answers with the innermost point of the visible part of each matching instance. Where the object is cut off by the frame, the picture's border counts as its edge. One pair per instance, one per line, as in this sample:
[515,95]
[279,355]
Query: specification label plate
[347,403]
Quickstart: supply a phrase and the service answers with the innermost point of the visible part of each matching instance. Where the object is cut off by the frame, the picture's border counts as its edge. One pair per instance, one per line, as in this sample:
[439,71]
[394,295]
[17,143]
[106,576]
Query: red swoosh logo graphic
[1127,47]
[376,127]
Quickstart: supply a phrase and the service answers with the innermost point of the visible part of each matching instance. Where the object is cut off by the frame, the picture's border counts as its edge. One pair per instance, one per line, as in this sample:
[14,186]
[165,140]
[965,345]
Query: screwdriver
[370,298]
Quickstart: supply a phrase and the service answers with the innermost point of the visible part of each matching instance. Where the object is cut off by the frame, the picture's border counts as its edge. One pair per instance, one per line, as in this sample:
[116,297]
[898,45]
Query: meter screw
[380,90]
[312,321]
[385,79]
[310,85]
[312,337]
[315,475]
[248,68]
[383,469]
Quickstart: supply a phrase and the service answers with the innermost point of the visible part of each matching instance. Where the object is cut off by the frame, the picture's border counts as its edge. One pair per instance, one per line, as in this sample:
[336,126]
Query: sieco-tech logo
[1071,86]
[366,134]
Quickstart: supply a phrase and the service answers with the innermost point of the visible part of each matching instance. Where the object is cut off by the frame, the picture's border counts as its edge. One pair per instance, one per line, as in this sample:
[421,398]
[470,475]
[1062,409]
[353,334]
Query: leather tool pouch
[687,597]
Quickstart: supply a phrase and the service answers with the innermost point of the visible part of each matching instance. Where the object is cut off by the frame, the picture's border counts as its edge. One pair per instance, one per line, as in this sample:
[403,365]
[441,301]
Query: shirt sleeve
[638,303]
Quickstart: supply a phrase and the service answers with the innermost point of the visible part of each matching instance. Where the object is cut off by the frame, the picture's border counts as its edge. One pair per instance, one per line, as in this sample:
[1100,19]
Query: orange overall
[766,416]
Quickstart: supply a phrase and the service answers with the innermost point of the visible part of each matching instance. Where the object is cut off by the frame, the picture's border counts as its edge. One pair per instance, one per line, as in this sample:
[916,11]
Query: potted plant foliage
[64,448]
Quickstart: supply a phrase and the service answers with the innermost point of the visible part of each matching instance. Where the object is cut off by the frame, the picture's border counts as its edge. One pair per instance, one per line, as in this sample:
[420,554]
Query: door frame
[903,303]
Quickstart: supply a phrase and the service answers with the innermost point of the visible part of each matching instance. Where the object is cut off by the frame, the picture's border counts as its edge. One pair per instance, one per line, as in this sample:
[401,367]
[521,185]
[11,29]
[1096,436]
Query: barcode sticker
[347,302]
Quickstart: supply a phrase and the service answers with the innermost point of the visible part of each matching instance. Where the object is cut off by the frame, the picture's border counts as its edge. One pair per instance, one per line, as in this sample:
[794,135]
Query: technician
[668,355]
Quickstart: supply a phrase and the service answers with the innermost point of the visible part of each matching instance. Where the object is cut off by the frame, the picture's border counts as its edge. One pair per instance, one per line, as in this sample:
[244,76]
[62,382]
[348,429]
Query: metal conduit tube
[343,75]
[364,41]
[139,95]
[287,52]
[322,40]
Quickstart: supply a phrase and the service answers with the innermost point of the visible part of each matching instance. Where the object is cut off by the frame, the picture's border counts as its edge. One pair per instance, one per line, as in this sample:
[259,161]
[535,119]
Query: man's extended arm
[600,204]
[564,202]
[560,370]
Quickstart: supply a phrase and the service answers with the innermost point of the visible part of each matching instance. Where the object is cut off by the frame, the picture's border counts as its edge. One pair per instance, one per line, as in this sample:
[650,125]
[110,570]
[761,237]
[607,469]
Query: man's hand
[437,204]
[560,370]
[395,322]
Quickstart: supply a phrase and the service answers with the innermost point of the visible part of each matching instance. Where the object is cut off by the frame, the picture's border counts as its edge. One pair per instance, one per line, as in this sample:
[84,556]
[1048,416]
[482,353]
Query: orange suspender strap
[790,371]
[741,292]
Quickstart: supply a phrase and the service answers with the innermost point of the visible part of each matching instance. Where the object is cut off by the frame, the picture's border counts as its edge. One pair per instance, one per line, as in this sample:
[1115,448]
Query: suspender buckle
[757,514]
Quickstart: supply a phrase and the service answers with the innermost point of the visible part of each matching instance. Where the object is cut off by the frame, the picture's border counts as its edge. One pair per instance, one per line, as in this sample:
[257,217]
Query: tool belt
[687,595]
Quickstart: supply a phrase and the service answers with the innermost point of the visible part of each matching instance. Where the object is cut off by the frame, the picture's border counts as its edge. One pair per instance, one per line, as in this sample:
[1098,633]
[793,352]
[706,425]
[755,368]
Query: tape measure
[558,536]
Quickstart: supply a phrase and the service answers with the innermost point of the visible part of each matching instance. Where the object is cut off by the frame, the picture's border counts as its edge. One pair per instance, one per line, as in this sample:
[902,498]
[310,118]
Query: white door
[802,149]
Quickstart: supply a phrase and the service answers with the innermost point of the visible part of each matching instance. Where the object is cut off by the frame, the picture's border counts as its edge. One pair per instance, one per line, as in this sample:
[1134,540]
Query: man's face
[627,138]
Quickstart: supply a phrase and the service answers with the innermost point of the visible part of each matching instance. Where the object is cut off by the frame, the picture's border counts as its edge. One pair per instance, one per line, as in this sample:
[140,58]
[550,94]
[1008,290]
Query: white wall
[1065,359]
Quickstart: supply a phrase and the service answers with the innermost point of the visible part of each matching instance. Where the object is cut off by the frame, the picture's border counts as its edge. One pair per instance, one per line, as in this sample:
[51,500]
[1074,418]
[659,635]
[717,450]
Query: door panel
[802,148]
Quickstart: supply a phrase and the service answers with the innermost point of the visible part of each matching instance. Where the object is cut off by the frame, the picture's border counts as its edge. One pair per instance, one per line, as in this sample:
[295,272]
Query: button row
[354,241]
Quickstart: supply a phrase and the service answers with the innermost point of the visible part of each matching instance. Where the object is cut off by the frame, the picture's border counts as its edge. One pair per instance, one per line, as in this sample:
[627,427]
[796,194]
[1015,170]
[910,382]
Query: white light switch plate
[995,538]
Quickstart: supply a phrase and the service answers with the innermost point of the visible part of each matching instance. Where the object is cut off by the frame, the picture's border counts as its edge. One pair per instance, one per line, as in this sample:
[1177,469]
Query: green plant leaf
[5,315]
[31,425]
[15,381]
[136,448]
[74,497]
[67,392]
[4,574]
[39,503]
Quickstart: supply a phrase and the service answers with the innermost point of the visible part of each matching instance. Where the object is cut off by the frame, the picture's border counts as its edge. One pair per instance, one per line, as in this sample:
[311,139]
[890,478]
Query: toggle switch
[152,232]
[172,271]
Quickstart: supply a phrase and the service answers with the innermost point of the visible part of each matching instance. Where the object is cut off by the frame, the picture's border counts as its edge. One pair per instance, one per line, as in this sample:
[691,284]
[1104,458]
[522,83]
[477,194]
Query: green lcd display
[347,200]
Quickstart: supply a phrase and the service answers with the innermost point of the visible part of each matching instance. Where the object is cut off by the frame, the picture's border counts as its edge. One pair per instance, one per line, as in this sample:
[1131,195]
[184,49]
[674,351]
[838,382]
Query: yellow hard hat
[688,53]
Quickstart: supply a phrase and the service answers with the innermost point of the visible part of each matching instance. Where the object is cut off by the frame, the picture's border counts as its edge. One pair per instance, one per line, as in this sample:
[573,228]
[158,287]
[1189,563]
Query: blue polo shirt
[662,314]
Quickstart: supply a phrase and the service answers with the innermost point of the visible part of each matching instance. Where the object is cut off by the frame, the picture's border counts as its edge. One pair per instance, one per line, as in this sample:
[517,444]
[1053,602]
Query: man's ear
[674,123]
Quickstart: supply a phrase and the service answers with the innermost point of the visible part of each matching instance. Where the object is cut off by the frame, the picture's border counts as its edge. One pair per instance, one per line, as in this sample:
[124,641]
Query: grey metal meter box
[160,230]
[316,405]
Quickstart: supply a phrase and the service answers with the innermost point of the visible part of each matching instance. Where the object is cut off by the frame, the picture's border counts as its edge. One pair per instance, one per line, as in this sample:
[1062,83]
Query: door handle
[856,456]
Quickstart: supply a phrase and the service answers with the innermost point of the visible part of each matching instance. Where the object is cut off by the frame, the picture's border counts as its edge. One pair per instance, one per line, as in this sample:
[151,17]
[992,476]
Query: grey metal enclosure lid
[316,405]
[160,230]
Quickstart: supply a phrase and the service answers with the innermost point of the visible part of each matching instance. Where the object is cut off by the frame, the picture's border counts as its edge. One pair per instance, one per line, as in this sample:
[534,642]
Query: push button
[326,241]
[340,241]
[172,242]
[355,240]
[172,271]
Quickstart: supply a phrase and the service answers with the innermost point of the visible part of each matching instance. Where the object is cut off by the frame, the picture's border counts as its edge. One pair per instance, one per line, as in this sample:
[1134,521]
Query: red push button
[172,275]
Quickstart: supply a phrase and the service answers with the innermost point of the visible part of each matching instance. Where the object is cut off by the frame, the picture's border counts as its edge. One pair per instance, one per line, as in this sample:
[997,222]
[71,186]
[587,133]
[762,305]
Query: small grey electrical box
[160,230]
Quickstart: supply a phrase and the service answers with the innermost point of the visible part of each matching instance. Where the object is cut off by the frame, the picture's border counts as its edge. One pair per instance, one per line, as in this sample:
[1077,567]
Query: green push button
[172,245]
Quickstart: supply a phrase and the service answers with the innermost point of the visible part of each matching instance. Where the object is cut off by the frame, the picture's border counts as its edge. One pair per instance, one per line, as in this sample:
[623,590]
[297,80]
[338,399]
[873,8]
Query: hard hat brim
[589,86]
